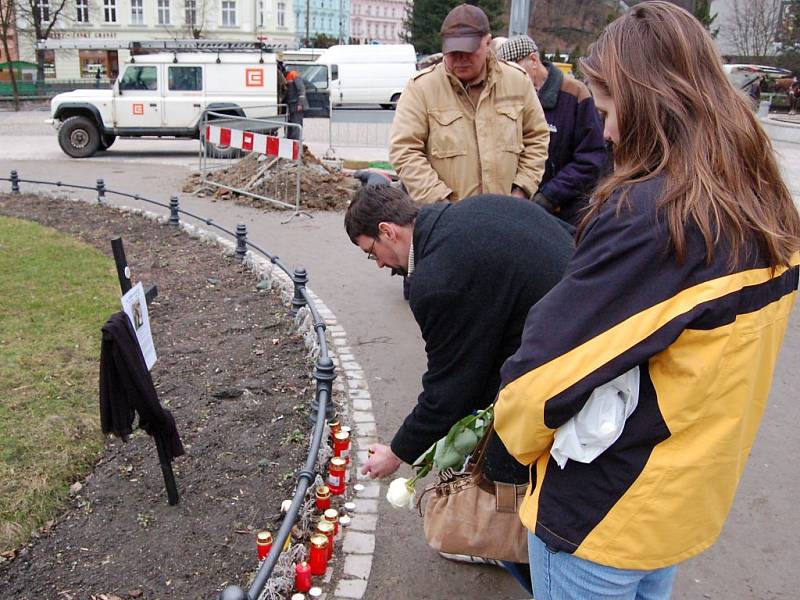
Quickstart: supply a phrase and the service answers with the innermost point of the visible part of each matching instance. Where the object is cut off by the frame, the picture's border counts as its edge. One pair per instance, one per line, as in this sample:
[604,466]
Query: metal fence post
[241,241]
[101,191]
[14,182]
[174,219]
[324,373]
[300,279]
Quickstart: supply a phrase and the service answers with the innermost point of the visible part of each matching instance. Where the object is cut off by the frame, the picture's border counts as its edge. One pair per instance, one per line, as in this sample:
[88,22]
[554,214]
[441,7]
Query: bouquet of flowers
[450,452]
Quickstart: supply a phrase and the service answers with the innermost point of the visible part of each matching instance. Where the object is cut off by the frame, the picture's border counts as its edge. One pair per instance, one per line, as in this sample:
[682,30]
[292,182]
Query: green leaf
[466,441]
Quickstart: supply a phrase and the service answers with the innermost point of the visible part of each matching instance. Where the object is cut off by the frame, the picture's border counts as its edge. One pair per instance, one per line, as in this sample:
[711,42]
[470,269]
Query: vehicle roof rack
[145,46]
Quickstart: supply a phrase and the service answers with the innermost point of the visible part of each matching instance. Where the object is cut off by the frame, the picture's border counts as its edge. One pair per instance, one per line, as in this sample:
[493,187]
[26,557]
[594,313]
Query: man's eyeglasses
[371,253]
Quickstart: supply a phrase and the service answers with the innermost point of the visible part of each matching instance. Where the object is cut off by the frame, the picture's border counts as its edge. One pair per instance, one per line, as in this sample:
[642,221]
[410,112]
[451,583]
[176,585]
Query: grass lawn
[55,294]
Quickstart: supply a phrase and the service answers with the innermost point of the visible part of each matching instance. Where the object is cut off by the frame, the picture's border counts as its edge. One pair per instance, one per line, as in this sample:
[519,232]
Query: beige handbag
[469,514]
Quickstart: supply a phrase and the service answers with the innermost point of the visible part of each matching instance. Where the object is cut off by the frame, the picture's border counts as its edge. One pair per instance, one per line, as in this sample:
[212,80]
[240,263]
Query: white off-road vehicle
[166,95]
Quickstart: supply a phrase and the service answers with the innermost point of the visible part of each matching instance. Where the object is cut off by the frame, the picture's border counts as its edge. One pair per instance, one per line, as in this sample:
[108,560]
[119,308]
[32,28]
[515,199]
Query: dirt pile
[321,187]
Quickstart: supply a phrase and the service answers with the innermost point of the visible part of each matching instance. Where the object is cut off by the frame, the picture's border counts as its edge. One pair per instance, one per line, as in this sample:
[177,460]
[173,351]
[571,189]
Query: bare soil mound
[234,376]
[321,187]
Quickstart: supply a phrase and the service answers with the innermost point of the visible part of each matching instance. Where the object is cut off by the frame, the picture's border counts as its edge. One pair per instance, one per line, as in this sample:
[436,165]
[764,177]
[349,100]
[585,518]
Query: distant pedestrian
[755,92]
[794,96]
[297,103]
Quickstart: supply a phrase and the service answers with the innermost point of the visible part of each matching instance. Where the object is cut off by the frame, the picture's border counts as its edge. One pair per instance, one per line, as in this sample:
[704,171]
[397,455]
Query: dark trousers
[296,117]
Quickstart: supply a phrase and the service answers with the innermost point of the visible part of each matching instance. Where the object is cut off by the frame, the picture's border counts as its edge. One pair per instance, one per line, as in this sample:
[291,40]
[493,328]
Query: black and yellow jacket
[706,340]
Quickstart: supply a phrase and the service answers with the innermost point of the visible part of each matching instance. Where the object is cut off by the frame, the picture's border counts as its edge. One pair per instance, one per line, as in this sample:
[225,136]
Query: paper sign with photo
[135,306]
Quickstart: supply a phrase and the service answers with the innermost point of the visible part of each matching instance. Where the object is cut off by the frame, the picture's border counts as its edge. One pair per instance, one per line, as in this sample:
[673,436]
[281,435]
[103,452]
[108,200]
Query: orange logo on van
[254,77]
[138,109]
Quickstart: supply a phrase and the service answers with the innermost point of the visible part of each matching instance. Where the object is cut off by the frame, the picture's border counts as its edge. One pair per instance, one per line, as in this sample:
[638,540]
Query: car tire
[393,105]
[107,141]
[79,137]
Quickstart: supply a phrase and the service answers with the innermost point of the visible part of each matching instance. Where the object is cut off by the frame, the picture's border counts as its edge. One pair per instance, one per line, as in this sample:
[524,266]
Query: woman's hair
[679,116]
[375,204]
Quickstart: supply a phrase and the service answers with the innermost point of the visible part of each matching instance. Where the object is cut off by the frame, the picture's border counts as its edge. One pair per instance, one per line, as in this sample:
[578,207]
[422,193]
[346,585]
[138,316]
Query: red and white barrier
[270,145]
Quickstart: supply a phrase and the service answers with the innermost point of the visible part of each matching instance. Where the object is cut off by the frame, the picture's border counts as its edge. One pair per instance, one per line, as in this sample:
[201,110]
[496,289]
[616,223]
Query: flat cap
[463,28]
[517,48]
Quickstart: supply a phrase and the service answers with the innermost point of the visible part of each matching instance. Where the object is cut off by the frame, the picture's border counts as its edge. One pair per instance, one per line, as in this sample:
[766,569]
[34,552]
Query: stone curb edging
[349,392]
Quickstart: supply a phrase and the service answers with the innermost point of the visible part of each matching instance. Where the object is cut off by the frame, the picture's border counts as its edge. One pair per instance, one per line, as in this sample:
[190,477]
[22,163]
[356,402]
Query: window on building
[82,15]
[185,79]
[139,78]
[261,13]
[137,12]
[163,12]
[190,12]
[229,13]
[110,11]
[43,7]
[281,14]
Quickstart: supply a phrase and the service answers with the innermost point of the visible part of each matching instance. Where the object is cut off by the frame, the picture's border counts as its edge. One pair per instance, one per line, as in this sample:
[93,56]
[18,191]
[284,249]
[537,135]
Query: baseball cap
[463,28]
[517,48]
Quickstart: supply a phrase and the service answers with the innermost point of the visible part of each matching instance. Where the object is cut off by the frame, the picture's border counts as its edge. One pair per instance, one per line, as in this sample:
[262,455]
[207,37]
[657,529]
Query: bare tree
[6,30]
[196,14]
[38,18]
[753,26]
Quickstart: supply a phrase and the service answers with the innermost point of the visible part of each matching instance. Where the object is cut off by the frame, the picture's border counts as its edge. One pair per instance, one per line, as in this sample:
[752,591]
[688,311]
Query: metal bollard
[174,219]
[14,182]
[241,241]
[101,191]
[324,373]
[300,278]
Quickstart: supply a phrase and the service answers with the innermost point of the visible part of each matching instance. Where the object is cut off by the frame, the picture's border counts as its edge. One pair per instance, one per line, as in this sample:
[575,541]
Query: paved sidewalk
[755,556]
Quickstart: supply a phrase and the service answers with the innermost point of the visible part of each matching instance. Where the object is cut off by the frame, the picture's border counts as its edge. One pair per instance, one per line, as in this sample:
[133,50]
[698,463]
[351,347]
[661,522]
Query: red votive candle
[302,577]
[323,498]
[332,516]
[337,469]
[341,445]
[318,558]
[326,529]
[263,544]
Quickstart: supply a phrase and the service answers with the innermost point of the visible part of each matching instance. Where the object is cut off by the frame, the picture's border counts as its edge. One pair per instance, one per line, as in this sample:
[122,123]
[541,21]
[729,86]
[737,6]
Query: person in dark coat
[577,154]
[296,101]
[475,269]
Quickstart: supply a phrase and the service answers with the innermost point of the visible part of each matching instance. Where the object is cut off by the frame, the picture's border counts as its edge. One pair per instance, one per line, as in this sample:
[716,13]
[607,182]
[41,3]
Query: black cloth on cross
[126,388]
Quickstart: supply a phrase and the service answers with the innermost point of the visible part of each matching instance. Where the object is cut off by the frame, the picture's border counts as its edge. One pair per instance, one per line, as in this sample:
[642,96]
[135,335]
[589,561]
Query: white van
[165,95]
[368,74]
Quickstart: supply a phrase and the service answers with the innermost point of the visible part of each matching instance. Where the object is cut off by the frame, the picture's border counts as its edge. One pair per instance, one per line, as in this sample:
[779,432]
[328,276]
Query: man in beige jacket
[471,124]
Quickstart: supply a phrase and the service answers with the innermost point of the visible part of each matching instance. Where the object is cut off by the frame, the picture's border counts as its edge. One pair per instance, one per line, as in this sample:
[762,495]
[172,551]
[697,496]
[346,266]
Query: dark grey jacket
[480,265]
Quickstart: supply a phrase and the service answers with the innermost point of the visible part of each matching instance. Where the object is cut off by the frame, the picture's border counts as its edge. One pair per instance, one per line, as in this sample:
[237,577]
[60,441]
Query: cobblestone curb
[353,403]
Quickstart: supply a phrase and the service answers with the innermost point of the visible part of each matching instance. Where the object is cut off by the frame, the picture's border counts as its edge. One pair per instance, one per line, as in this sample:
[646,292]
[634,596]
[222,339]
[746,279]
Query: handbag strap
[479,453]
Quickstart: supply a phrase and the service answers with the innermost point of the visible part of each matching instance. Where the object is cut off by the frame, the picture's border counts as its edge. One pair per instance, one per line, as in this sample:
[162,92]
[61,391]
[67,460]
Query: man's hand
[518,192]
[382,462]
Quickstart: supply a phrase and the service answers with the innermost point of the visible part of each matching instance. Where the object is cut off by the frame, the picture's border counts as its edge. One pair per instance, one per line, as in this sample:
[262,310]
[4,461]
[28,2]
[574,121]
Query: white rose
[400,494]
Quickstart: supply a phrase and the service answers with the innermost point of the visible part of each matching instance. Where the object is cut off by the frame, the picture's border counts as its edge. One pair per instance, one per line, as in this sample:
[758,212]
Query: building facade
[322,17]
[378,21]
[119,22]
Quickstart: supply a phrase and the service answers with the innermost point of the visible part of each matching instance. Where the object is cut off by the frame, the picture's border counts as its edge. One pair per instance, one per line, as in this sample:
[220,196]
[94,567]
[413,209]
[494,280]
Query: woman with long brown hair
[687,269]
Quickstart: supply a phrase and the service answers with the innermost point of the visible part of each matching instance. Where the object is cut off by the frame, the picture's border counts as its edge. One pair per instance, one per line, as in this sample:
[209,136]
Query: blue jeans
[562,576]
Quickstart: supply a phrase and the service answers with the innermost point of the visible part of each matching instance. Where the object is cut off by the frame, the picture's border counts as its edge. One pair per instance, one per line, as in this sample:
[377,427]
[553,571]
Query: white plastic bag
[600,422]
